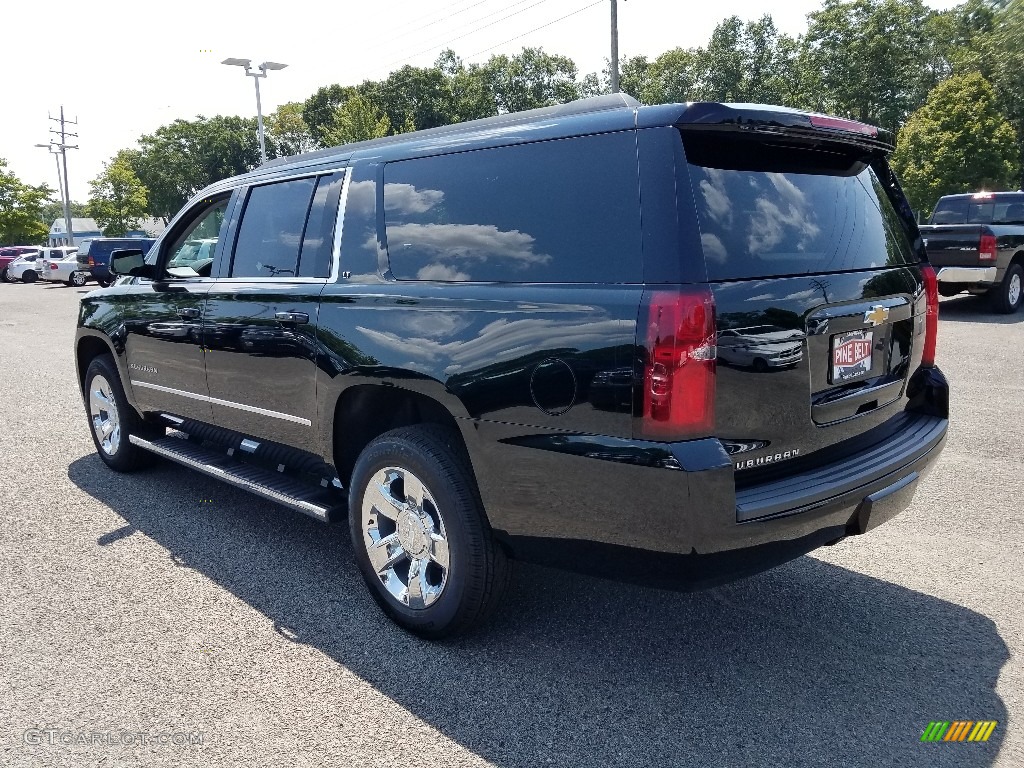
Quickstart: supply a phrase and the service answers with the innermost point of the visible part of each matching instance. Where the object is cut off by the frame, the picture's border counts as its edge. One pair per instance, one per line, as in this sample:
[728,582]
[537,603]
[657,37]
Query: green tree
[423,94]
[866,59]
[674,77]
[55,210]
[117,198]
[747,62]
[178,160]
[529,80]
[743,61]
[471,97]
[320,111]
[287,132]
[1003,53]
[957,142]
[358,120]
[21,210]
[953,40]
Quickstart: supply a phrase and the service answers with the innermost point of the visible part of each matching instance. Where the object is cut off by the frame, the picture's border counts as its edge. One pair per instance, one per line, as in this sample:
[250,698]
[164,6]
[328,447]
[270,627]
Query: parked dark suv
[498,340]
[94,254]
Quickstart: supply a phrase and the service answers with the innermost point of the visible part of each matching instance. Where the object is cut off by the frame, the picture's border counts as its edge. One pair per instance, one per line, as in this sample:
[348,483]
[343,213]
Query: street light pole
[615,47]
[263,69]
[259,114]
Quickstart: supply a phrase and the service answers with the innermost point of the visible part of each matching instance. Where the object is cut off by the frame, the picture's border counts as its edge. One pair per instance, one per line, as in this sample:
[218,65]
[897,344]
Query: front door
[259,325]
[163,320]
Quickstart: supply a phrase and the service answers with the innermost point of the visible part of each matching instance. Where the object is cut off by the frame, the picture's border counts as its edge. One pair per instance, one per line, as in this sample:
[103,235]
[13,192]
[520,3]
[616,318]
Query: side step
[311,500]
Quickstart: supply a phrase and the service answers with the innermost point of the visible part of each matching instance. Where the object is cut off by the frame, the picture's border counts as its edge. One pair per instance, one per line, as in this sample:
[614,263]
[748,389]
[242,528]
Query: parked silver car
[65,270]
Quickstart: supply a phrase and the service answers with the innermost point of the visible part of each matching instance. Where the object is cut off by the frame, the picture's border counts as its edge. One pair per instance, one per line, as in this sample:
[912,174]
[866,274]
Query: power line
[414,28]
[472,31]
[535,29]
[424,17]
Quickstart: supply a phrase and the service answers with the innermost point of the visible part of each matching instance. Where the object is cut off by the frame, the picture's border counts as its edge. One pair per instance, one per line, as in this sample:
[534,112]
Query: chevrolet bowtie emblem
[876,315]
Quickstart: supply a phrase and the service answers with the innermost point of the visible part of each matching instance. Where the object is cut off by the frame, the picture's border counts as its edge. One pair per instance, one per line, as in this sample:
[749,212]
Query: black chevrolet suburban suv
[498,340]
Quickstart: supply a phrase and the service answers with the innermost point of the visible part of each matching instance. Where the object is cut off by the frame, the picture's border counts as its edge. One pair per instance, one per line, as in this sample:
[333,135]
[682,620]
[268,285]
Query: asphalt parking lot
[138,611]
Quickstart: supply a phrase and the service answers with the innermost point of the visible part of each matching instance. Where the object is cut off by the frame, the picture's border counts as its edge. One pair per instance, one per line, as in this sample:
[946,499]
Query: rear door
[817,287]
[260,320]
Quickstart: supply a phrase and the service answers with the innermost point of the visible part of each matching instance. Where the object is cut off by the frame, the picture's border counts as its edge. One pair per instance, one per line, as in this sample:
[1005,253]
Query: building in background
[86,229]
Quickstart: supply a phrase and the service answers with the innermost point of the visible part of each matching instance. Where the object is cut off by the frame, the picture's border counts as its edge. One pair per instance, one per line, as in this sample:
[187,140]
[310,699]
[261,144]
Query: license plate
[851,355]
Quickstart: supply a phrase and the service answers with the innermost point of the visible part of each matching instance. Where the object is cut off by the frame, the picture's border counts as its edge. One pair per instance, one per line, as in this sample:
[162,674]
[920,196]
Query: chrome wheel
[1013,289]
[106,423]
[78,279]
[405,538]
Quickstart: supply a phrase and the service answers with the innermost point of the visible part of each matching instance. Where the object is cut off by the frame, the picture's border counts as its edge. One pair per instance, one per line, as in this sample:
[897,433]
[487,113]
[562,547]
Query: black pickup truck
[976,242]
[499,339]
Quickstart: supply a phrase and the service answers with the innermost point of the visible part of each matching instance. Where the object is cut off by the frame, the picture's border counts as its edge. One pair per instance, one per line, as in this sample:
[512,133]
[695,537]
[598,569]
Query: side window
[191,252]
[553,211]
[316,256]
[270,235]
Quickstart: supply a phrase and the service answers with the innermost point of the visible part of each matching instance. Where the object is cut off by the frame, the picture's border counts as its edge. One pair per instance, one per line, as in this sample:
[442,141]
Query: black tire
[104,283]
[760,365]
[478,570]
[29,276]
[78,279]
[1009,294]
[122,456]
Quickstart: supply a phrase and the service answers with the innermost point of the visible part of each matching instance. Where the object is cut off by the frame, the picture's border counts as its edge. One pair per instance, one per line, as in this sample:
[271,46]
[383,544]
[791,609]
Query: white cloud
[470,242]
[441,272]
[407,199]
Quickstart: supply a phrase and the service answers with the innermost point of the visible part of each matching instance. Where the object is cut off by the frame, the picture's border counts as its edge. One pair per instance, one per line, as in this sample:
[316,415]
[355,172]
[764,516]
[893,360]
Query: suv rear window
[996,209]
[773,209]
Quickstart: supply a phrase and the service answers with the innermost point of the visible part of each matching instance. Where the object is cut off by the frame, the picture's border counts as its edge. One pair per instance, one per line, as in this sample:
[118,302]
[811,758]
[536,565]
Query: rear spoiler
[781,121]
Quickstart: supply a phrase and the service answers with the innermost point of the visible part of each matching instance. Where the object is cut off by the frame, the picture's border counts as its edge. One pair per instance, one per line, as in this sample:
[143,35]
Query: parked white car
[65,270]
[29,268]
[23,269]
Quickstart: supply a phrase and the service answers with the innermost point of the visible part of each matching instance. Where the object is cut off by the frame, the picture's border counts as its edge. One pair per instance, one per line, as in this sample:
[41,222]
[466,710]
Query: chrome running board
[314,501]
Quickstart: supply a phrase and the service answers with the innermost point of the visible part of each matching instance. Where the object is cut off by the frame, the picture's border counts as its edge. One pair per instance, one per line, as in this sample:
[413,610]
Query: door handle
[189,313]
[292,317]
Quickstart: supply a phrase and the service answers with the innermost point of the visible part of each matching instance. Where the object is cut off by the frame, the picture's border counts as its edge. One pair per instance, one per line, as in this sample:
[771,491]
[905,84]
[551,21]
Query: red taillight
[931,318]
[91,262]
[987,248]
[838,123]
[679,370]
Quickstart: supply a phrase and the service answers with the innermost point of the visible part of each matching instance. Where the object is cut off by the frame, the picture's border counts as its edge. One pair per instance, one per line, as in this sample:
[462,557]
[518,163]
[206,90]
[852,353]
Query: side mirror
[130,262]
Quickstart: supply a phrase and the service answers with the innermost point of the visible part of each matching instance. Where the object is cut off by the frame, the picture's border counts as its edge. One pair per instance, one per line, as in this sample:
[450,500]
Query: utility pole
[63,146]
[615,47]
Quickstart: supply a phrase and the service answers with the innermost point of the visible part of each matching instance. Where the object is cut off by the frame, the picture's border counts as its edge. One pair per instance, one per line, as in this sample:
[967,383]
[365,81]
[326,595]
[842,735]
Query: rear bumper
[670,515]
[967,275]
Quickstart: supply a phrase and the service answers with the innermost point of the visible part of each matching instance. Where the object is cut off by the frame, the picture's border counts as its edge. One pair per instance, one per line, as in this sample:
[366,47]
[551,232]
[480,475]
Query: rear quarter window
[565,211]
[769,210]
